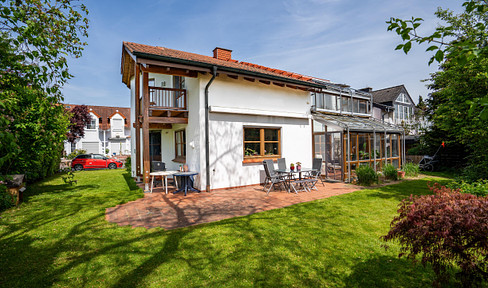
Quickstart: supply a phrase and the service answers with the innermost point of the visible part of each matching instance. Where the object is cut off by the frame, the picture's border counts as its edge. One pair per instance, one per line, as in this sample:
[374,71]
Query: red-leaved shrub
[445,229]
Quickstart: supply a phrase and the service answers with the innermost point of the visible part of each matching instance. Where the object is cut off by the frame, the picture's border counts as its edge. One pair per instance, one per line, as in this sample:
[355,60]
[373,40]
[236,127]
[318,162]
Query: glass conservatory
[345,141]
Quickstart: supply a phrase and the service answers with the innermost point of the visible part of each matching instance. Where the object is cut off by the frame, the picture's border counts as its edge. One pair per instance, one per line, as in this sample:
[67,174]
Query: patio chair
[282,164]
[270,167]
[157,166]
[317,173]
[272,178]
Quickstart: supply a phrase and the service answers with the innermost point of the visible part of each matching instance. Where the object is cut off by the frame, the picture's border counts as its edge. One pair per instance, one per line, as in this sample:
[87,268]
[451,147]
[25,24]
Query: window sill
[180,159]
[259,159]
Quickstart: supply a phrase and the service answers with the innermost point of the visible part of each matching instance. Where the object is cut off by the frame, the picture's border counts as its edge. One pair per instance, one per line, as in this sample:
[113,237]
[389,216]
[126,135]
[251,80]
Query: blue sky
[344,41]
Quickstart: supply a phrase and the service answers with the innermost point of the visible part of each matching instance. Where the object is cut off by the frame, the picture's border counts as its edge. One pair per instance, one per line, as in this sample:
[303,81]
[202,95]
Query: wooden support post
[145,130]
[137,158]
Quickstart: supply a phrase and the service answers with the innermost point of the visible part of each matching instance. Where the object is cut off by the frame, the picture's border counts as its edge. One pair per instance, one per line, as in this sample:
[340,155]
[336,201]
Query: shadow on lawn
[406,188]
[387,271]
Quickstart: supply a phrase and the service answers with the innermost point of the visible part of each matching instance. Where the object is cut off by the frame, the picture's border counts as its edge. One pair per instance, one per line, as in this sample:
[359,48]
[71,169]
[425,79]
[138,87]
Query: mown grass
[59,238]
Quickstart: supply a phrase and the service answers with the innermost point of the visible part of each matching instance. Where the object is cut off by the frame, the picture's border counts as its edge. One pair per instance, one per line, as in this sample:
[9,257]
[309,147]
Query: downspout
[207,143]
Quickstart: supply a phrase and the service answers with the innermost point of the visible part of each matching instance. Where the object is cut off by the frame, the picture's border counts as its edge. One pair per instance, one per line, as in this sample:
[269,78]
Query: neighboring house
[394,105]
[223,117]
[107,133]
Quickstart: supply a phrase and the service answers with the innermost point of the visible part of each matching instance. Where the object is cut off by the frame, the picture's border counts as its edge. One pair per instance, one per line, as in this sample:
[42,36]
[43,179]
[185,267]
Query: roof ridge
[389,88]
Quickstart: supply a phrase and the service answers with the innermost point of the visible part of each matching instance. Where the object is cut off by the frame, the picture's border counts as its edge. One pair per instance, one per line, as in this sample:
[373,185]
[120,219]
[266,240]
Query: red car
[87,161]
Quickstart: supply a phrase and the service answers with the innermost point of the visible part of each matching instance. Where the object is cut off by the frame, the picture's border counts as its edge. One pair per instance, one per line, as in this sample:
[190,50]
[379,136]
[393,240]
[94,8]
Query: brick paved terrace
[172,211]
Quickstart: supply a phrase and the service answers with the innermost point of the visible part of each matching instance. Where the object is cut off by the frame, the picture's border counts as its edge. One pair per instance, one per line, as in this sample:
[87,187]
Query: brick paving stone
[175,210]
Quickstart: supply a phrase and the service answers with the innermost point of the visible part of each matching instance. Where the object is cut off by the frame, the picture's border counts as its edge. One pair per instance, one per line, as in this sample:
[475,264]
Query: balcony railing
[167,98]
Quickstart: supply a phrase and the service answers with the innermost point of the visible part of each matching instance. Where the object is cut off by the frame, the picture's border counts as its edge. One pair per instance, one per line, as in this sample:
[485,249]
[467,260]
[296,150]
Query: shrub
[444,229]
[75,153]
[128,164]
[366,175]
[390,172]
[411,169]
[69,178]
[6,200]
[477,188]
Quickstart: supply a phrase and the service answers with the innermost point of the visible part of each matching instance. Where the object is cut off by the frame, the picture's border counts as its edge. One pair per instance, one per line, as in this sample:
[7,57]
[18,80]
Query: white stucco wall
[238,103]
[226,129]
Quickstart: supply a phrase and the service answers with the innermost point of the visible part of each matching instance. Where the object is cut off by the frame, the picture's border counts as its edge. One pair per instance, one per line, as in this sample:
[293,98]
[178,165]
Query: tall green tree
[458,104]
[37,36]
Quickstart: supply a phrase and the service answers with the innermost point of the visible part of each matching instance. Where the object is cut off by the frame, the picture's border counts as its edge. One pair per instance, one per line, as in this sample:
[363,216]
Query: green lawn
[59,238]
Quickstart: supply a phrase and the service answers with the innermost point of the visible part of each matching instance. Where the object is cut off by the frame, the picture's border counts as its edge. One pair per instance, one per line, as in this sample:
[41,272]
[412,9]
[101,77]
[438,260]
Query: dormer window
[92,124]
[117,125]
[402,98]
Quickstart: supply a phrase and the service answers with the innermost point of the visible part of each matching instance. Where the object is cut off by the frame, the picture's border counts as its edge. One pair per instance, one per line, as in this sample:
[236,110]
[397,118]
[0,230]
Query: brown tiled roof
[135,48]
[388,94]
[106,112]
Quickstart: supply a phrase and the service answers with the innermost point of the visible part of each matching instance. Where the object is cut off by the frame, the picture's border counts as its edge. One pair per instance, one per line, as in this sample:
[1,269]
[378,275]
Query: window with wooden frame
[180,146]
[261,143]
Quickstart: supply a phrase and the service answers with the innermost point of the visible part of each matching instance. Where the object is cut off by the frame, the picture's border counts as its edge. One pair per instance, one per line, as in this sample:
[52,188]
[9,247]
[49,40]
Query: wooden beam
[145,130]
[160,126]
[168,120]
[279,84]
[137,158]
[233,76]
[249,79]
[172,65]
[265,81]
[171,71]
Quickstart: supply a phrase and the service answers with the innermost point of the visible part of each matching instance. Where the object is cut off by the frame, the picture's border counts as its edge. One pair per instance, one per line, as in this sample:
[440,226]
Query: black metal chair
[157,166]
[272,177]
[317,173]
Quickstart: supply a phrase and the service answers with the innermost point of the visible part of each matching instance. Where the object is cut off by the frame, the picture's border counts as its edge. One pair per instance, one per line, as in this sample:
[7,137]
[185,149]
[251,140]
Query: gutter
[207,132]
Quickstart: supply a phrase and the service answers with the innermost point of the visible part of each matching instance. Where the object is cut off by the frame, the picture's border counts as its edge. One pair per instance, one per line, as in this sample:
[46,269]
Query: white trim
[235,110]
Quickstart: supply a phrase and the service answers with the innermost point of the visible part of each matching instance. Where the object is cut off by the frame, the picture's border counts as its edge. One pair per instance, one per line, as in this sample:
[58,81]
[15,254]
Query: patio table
[290,173]
[163,174]
[186,184]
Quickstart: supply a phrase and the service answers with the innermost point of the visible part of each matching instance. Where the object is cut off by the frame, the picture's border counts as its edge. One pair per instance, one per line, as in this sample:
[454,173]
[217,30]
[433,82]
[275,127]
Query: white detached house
[223,117]
[108,131]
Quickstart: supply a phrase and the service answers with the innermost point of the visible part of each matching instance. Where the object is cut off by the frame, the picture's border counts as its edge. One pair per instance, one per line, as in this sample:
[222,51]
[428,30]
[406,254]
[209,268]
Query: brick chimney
[222,54]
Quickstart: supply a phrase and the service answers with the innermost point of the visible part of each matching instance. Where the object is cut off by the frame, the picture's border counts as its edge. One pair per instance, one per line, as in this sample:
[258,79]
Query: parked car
[88,161]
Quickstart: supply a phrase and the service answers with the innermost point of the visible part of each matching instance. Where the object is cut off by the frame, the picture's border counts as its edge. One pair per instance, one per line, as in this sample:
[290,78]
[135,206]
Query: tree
[78,120]
[444,229]
[457,107]
[41,33]
[37,36]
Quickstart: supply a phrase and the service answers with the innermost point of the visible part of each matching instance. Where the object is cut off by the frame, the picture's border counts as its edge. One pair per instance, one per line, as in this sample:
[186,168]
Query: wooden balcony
[168,102]
[167,105]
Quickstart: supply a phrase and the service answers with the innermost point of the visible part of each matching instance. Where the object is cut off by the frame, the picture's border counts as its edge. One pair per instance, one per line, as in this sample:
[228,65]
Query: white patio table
[163,174]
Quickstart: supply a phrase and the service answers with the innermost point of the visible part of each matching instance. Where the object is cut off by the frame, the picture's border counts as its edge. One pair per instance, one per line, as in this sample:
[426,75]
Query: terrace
[172,211]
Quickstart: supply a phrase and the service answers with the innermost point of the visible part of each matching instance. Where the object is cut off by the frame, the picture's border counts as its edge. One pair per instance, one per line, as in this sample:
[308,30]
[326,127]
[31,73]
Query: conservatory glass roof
[356,124]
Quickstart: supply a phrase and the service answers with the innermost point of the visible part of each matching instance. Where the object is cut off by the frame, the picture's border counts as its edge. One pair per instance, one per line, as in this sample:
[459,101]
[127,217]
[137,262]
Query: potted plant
[292,166]
[299,166]
[401,174]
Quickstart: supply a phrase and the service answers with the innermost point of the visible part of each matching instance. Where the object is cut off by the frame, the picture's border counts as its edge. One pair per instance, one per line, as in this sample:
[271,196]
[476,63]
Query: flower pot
[401,174]
[299,167]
